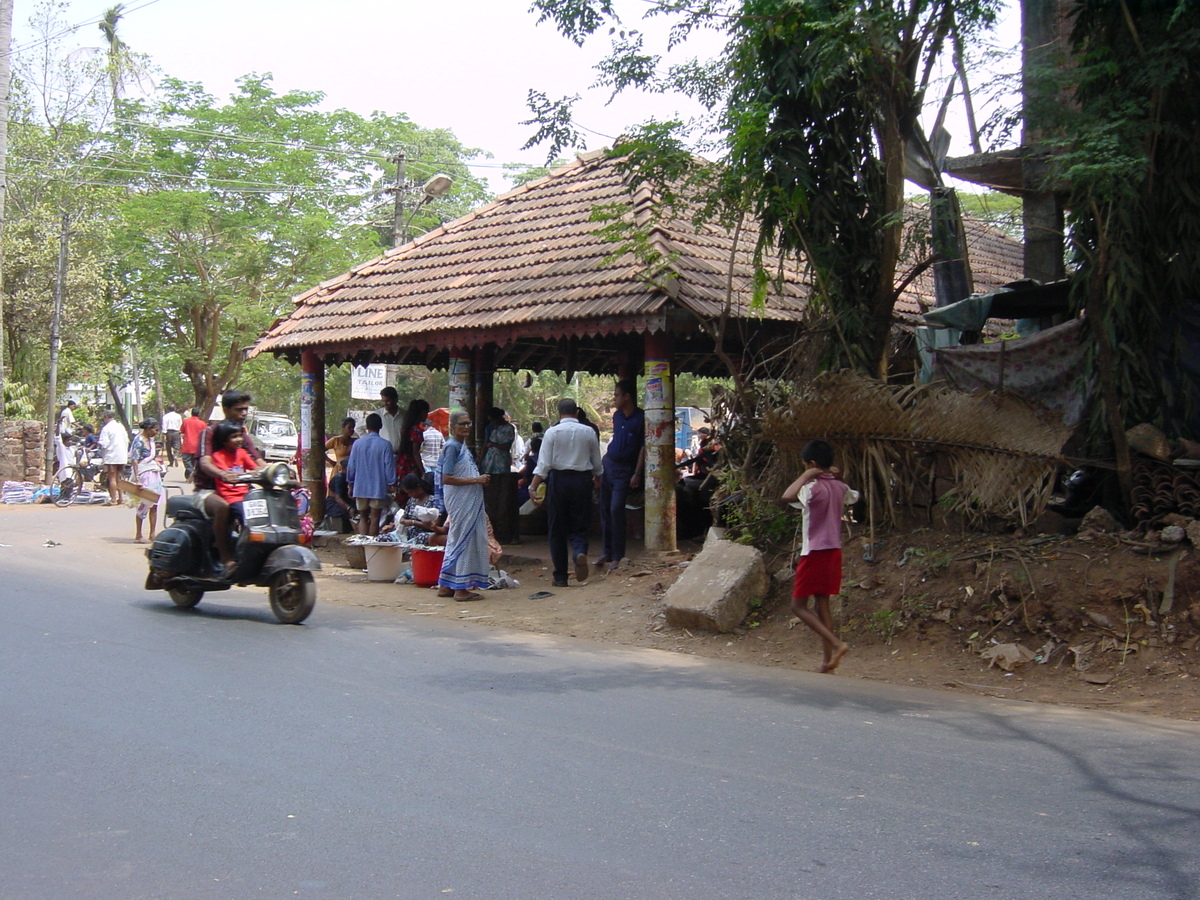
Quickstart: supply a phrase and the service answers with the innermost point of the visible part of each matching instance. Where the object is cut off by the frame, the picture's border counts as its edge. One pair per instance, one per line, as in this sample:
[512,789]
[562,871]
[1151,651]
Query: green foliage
[18,401]
[818,102]
[1129,157]
[240,205]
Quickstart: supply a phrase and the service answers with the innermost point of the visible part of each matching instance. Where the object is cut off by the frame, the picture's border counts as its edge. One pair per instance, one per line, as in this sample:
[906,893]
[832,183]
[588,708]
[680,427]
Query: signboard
[367,381]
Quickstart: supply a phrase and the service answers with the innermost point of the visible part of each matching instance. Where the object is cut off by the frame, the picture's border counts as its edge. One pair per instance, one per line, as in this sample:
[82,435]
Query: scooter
[184,560]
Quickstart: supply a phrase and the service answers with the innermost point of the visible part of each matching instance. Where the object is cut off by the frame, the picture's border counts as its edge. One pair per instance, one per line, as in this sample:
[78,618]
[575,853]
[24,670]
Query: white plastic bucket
[384,562]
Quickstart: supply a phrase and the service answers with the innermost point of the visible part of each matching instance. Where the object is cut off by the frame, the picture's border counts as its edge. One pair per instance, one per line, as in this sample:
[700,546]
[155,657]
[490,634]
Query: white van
[274,434]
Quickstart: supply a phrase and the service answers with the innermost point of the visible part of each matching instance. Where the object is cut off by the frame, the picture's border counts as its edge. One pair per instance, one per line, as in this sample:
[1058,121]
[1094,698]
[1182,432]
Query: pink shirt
[823,500]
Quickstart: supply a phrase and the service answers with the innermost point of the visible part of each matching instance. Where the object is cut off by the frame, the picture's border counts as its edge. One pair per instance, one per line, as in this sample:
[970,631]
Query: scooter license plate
[254,509]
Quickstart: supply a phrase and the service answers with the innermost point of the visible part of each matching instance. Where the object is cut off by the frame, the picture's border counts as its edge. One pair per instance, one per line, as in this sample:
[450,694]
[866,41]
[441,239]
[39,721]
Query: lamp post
[437,186]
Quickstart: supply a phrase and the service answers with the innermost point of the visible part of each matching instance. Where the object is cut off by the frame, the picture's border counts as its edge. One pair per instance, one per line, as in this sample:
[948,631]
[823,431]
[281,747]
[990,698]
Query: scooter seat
[185,507]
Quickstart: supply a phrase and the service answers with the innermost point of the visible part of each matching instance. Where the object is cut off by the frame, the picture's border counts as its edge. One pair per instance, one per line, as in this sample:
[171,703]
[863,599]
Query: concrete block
[715,591]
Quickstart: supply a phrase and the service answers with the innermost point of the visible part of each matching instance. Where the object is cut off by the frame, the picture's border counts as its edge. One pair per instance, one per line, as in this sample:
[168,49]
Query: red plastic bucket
[427,566]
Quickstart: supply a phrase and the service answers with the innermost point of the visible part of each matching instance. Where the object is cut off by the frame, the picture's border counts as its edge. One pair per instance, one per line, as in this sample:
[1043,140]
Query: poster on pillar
[308,394]
[460,382]
[657,373]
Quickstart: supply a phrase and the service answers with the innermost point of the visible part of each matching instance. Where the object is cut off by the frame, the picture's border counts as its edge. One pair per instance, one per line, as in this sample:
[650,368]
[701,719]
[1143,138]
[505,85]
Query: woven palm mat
[901,445]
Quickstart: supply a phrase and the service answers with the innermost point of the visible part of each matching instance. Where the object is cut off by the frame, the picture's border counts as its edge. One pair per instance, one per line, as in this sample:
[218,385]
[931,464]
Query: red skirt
[818,573]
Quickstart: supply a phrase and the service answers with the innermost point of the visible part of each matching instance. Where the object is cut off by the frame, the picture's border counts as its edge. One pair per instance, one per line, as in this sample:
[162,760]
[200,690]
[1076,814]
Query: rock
[715,591]
[1007,656]
[1099,519]
[1193,533]
[1172,534]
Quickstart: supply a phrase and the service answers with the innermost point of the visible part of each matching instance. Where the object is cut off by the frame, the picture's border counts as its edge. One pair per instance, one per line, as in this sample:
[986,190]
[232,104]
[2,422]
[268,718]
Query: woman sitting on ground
[414,524]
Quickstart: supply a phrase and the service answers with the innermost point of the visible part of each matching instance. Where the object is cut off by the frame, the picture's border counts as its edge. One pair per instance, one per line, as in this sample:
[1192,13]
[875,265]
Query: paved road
[149,752]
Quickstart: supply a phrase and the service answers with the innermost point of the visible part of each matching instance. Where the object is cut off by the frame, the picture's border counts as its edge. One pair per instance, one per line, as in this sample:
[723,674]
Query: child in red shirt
[230,456]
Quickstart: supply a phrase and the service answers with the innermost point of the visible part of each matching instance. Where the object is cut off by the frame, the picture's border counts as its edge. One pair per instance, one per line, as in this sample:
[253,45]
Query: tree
[1127,155]
[817,106]
[238,206]
[57,166]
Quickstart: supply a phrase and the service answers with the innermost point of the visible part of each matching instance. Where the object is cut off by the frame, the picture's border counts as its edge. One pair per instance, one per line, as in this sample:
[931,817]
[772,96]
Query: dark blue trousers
[568,513]
[614,491]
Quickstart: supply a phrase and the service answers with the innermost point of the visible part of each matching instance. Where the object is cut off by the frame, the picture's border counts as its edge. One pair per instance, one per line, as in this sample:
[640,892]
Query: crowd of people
[142,455]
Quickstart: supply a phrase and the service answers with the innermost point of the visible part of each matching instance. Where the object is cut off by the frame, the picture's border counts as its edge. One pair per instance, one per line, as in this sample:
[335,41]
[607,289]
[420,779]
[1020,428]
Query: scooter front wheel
[293,595]
[185,598]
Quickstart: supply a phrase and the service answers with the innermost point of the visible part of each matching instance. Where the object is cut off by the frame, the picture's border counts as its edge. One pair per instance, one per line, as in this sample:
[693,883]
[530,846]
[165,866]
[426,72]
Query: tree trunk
[6,17]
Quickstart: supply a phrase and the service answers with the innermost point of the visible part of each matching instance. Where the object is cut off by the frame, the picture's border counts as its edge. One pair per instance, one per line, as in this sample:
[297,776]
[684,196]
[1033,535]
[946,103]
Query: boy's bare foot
[832,665]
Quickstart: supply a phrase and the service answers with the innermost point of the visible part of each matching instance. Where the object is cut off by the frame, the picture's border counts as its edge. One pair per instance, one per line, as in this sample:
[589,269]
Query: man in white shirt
[392,417]
[432,442]
[114,445]
[172,422]
[570,464]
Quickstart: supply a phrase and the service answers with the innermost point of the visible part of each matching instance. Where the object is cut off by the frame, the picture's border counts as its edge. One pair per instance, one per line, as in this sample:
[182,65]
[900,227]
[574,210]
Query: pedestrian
[371,474]
[64,435]
[148,473]
[339,445]
[822,496]
[114,448]
[412,432]
[500,496]
[569,463]
[432,441]
[391,416]
[191,429]
[465,564]
[624,466]
[172,423]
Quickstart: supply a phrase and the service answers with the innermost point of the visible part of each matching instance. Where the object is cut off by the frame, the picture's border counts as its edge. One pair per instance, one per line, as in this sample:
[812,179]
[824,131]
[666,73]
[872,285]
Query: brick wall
[21,451]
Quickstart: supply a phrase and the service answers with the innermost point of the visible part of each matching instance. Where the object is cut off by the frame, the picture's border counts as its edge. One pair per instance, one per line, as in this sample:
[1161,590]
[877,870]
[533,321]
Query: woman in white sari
[465,564]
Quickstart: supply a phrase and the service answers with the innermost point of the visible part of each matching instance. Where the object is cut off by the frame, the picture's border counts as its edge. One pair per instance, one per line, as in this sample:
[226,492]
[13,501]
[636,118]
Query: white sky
[465,65]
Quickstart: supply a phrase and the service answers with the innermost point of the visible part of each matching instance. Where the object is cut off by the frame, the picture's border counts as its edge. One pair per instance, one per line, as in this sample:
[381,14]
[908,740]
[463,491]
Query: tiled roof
[531,268]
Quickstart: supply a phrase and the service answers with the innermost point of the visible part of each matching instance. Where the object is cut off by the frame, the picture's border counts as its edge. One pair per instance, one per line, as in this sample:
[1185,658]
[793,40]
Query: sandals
[471,595]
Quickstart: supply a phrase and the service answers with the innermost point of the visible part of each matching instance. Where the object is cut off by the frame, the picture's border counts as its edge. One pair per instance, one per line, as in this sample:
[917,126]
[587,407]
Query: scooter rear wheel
[293,595]
[185,598]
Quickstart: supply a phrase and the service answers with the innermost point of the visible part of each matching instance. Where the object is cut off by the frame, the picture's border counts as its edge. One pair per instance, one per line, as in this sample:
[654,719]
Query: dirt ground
[1096,620]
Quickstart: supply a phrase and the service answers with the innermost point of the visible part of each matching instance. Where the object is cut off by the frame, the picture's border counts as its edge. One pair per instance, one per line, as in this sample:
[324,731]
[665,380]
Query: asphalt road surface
[150,752]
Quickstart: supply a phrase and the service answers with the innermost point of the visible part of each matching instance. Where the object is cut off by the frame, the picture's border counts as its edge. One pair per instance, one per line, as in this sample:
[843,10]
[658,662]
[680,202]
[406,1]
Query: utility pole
[398,200]
[55,344]
[6,17]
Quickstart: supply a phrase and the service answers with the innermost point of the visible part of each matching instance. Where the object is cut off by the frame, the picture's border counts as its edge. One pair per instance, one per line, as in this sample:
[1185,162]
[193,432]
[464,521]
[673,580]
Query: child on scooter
[230,456]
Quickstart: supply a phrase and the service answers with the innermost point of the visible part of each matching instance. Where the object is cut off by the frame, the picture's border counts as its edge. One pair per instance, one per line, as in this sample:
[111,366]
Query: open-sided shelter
[531,281]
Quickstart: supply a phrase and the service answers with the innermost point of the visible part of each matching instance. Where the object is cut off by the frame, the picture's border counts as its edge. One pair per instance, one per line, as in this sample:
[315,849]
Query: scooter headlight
[280,475]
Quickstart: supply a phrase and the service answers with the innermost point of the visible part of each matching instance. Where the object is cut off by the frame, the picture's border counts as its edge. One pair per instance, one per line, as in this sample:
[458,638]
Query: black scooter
[185,563]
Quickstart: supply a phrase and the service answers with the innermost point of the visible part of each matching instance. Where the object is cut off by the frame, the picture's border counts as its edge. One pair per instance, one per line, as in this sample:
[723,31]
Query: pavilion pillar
[460,379]
[659,406]
[312,430]
[484,379]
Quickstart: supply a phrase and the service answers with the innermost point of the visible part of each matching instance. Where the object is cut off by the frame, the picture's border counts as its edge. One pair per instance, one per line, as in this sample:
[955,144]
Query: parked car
[274,434]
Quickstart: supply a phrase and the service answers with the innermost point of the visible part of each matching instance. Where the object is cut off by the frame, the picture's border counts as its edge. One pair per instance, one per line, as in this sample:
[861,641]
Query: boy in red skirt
[823,497]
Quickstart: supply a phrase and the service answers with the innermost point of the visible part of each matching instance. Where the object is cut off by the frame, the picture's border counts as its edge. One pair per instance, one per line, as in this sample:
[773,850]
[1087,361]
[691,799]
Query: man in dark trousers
[570,465]
[624,464]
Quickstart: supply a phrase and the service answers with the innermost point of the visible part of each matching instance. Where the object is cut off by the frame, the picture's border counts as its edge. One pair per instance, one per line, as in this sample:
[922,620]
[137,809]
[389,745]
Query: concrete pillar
[312,430]
[460,380]
[483,378]
[659,404]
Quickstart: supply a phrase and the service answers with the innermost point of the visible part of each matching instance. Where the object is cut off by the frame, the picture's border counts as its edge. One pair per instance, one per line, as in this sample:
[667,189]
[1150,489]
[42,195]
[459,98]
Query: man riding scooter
[236,406]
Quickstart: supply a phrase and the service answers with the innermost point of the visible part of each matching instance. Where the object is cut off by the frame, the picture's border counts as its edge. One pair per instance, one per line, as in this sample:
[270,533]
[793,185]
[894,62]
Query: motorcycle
[184,560]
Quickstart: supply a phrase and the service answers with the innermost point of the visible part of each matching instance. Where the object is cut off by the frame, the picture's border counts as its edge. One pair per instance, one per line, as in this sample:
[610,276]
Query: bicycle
[72,479]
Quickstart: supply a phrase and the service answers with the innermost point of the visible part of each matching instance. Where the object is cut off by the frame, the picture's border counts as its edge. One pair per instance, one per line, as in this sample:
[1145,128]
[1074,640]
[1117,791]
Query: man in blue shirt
[371,474]
[624,464]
